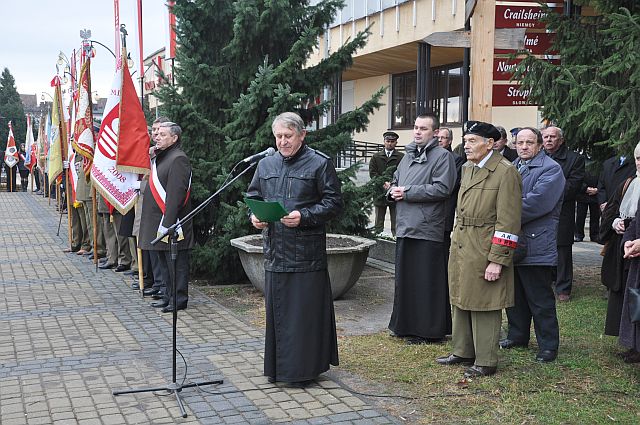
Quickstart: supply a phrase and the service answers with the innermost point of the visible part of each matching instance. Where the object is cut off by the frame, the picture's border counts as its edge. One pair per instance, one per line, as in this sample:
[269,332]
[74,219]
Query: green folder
[266,211]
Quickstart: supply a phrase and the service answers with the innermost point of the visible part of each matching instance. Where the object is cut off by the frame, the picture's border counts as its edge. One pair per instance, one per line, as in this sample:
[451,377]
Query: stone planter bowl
[345,263]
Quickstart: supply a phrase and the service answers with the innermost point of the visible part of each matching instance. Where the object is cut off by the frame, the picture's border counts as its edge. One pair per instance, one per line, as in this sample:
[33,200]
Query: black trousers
[564,274]
[158,278]
[534,299]
[181,277]
[594,219]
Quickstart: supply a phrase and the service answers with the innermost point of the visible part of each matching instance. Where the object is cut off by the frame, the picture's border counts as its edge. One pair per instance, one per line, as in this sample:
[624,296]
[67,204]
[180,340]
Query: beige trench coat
[488,202]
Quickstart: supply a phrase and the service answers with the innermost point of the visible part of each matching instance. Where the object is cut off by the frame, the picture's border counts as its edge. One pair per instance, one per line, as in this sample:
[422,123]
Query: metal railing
[358,150]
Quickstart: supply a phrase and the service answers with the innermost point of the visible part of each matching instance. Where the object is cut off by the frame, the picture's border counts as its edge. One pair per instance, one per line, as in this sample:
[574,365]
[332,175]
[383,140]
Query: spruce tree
[594,94]
[228,90]
[11,109]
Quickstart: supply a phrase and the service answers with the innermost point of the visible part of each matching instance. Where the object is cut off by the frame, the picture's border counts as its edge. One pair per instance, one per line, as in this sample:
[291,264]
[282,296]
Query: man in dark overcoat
[384,163]
[166,200]
[421,186]
[482,245]
[615,170]
[445,137]
[573,169]
[300,337]
[542,190]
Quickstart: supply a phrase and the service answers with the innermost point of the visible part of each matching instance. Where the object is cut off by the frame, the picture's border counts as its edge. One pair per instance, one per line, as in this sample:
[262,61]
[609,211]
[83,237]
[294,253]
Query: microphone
[257,157]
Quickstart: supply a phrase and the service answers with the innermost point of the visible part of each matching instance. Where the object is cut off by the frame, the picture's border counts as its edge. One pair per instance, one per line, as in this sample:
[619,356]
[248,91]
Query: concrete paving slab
[70,335]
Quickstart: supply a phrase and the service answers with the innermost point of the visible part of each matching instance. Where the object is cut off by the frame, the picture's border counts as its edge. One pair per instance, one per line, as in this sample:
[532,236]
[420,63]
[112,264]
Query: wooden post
[482,45]
[10,179]
[140,269]
[94,218]
[66,187]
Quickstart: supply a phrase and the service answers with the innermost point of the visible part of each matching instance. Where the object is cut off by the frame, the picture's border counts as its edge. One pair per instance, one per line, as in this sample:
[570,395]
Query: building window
[445,96]
[446,93]
[403,99]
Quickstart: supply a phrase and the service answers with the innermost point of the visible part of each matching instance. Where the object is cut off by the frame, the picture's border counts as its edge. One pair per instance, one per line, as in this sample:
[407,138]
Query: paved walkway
[69,336]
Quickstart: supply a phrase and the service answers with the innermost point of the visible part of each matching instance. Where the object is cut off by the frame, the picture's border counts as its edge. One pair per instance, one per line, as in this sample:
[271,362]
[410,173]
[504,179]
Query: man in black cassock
[300,340]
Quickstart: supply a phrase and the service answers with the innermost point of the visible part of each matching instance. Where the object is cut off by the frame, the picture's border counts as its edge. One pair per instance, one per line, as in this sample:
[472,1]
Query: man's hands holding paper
[290,220]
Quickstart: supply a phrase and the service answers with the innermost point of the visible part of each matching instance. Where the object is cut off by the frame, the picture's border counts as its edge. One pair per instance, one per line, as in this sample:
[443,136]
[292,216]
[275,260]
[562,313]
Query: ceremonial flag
[116,186]
[133,137]
[58,137]
[47,142]
[170,22]
[39,145]
[73,177]
[29,145]
[83,138]
[11,156]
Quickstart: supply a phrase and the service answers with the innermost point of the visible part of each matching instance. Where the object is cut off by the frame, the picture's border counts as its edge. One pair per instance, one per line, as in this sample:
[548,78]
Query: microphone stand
[174,387]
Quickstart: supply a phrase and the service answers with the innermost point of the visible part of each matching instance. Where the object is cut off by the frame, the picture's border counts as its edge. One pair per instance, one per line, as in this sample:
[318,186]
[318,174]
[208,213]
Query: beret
[483,129]
[390,135]
[515,130]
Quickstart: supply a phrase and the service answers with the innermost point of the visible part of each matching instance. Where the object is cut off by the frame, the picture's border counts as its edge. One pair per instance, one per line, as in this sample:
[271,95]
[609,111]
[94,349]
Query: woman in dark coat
[630,332]
[615,268]
[23,170]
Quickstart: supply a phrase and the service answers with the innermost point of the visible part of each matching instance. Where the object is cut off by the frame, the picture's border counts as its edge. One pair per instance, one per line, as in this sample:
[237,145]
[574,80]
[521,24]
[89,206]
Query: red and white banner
[11,156]
[133,138]
[29,146]
[116,24]
[83,137]
[170,43]
[116,186]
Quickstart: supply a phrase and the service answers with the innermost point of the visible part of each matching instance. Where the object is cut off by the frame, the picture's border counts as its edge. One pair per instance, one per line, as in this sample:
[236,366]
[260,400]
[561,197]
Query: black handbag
[633,296]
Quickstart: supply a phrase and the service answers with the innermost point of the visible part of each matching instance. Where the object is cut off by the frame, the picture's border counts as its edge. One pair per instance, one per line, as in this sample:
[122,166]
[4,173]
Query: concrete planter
[345,263]
[384,250]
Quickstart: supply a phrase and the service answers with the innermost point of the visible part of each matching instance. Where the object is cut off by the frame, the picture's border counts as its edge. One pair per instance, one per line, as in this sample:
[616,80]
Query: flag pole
[94,218]
[10,179]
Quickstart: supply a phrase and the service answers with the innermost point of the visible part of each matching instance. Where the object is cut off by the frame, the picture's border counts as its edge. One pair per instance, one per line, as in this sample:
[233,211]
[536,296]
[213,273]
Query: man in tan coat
[484,238]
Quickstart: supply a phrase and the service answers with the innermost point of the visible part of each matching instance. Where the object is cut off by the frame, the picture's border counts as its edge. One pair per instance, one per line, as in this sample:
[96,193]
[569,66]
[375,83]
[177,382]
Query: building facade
[417,76]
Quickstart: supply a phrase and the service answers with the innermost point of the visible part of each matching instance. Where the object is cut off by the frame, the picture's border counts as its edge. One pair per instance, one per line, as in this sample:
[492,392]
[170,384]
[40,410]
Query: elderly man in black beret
[384,163]
[484,238]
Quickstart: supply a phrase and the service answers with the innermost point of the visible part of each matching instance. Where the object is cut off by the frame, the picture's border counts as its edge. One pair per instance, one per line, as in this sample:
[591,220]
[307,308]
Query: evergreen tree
[11,109]
[594,94]
[230,87]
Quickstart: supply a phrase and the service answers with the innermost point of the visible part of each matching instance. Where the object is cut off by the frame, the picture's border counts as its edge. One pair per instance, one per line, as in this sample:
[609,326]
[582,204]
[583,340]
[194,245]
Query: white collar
[484,160]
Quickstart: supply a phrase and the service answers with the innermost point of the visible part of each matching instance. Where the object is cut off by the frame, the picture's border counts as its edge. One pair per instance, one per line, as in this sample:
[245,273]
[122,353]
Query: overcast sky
[33,32]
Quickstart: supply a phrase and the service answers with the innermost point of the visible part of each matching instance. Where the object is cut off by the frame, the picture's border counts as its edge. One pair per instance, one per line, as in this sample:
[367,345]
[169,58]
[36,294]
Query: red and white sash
[160,196]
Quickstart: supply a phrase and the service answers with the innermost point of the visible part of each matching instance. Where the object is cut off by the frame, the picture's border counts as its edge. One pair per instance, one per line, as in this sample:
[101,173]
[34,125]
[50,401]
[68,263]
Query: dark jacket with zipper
[306,182]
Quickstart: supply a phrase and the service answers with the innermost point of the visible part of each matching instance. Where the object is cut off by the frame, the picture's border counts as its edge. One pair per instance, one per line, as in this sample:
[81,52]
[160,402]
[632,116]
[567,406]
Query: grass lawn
[588,384]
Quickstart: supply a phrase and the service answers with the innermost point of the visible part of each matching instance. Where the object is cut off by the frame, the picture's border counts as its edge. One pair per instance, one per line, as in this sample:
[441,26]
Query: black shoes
[157,296]
[546,356]
[160,304]
[169,308]
[452,359]
[122,268]
[149,291]
[476,371]
[106,266]
[507,344]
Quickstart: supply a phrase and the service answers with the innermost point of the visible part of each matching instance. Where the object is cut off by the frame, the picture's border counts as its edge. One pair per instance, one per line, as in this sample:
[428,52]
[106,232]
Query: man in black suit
[587,200]
[166,200]
[573,169]
[615,170]
[501,145]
